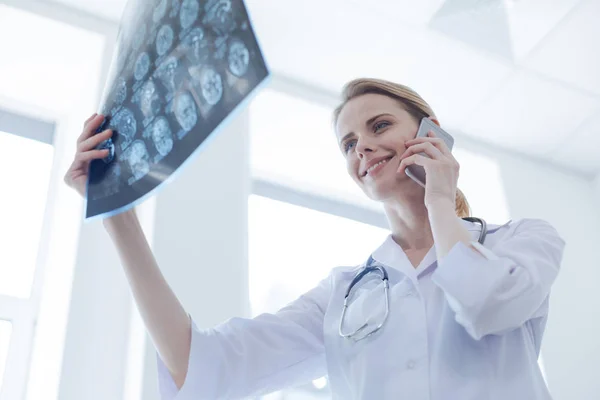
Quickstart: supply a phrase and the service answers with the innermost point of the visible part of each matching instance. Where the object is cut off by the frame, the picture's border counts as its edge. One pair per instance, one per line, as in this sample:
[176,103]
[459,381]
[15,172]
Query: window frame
[22,312]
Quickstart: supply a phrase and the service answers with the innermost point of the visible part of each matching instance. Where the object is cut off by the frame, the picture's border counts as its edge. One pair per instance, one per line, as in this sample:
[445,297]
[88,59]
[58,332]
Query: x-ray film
[181,69]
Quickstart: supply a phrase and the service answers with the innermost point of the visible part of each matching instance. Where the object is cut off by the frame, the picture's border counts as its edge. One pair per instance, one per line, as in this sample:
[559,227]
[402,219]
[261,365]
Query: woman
[465,321]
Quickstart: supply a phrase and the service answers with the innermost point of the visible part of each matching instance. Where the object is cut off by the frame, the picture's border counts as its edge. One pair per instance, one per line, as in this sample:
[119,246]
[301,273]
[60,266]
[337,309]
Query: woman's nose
[364,146]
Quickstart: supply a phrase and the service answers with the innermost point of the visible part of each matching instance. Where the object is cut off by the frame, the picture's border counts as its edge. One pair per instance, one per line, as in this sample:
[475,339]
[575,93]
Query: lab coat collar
[390,254]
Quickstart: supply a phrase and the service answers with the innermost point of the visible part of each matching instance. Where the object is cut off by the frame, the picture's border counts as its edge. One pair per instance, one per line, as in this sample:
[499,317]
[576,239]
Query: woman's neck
[410,225]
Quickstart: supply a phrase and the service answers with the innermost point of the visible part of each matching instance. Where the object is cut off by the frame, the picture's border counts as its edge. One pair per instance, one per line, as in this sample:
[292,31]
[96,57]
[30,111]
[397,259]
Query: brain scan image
[142,65]
[108,144]
[164,39]
[110,182]
[238,58]
[138,37]
[162,137]
[121,91]
[179,70]
[167,73]
[188,13]
[220,45]
[175,4]
[138,159]
[185,111]
[149,100]
[219,16]
[211,85]
[198,45]
[125,125]
[160,10]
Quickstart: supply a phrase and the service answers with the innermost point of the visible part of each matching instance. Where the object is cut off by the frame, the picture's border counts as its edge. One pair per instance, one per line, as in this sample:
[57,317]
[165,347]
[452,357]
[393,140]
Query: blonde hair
[412,103]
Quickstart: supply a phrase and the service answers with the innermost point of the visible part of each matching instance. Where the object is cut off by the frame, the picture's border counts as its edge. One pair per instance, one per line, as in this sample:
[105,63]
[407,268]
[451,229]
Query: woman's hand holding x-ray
[441,169]
[77,175]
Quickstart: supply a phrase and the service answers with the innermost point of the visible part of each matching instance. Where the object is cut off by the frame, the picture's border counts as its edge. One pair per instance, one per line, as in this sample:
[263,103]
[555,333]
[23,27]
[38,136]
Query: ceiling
[520,74]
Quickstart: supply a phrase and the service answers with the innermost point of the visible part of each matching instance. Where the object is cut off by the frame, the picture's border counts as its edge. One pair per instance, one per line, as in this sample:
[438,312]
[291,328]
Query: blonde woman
[433,314]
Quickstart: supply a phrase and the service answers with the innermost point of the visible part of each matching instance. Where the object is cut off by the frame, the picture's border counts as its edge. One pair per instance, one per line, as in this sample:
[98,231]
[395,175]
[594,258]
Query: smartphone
[416,172]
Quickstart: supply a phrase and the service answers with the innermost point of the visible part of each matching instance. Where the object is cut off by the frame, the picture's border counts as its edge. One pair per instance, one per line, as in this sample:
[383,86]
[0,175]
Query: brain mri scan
[161,135]
[121,92]
[142,66]
[164,39]
[125,125]
[149,100]
[188,13]
[198,46]
[179,70]
[167,73]
[238,58]
[185,111]
[212,85]
[175,4]
[219,16]
[138,159]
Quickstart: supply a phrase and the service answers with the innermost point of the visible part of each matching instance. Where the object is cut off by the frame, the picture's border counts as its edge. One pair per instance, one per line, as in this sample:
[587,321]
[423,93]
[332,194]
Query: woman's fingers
[90,127]
[94,141]
[427,148]
[89,119]
[91,155]
[414,159]
[435,141]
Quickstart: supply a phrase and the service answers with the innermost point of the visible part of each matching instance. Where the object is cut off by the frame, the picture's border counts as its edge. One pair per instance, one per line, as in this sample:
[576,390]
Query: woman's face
[372,130]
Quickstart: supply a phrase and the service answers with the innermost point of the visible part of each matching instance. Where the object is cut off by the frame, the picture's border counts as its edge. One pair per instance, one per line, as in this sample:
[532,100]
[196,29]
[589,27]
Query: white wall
[597,188]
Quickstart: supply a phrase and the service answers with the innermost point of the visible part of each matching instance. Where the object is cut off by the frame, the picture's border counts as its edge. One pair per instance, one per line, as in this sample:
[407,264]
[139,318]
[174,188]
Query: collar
[391,254]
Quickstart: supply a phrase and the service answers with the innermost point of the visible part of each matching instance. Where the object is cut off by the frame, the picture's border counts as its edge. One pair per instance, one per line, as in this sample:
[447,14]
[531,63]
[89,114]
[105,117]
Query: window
[26,164]
[26,174]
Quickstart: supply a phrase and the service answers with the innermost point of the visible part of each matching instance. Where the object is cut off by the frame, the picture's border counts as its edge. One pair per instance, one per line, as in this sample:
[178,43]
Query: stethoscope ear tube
[483,227]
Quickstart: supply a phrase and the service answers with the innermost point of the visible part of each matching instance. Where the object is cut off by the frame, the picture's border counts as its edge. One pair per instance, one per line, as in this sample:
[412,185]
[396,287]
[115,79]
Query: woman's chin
[382,190]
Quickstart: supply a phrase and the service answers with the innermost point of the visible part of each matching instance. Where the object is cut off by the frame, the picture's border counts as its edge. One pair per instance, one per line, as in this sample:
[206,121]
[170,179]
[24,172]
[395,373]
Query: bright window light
[26,166]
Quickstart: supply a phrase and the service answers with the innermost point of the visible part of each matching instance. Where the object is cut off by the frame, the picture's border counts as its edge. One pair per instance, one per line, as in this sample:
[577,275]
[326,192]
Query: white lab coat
[468,328]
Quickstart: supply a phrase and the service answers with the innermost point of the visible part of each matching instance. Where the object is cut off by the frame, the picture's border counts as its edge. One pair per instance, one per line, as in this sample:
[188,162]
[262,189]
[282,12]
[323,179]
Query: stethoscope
[371,266]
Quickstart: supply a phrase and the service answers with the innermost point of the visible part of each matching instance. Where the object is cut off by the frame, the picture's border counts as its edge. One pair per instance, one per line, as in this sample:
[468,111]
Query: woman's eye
[348,145]
[380,125]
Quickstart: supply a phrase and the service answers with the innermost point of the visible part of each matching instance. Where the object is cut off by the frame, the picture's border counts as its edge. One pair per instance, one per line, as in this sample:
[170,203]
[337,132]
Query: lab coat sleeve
[508,285]
[249,357]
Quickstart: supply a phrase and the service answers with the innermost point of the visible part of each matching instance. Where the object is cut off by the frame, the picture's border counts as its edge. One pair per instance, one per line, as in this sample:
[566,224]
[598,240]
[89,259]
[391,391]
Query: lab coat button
[411,364]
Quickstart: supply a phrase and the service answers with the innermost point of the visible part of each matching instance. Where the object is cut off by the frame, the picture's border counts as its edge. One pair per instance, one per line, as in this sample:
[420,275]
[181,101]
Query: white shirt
[468,328]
